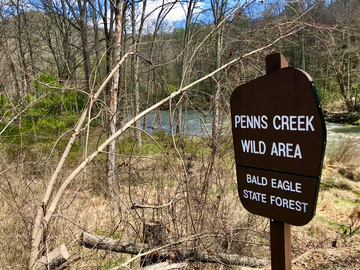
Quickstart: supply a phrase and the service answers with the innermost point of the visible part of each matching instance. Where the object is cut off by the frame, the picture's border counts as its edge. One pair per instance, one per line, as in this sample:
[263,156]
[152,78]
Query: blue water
[338,132]
[200,124]
[195,123]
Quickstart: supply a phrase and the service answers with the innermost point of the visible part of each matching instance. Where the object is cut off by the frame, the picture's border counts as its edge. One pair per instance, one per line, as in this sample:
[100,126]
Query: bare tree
[136,36]
[186,64]
[113,94]
[45,213]
[219,9]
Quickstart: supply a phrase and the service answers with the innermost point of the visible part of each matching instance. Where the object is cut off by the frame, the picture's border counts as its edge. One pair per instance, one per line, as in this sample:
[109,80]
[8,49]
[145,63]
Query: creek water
[339,132]
[200,124]
[195,123]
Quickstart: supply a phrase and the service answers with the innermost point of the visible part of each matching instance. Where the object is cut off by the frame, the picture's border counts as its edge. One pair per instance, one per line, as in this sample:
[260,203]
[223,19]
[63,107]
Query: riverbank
[352,118]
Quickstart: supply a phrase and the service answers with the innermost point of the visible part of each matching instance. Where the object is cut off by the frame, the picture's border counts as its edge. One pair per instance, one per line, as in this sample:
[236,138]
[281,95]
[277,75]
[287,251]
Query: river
[339,132]
[200,124]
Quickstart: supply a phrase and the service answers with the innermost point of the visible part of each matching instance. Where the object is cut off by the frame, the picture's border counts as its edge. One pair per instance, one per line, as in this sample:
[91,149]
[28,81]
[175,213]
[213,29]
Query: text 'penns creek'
[278,123]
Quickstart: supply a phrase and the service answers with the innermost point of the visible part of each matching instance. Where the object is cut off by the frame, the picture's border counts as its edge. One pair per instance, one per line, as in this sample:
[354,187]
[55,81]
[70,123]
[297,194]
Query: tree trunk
[105,243]
[113,95]
[46,210]
[166,266]
[53,259]
[218,7]
[84,42]
[135,40]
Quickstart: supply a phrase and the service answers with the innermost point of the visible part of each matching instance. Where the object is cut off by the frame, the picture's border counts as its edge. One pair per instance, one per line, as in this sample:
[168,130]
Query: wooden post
[280,243]
[280,233]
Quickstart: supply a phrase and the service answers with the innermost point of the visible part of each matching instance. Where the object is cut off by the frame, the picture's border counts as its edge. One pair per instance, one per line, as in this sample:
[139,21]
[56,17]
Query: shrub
[346,152]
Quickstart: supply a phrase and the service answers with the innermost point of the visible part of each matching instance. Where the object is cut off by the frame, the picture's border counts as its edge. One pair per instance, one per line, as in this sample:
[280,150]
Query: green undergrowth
[350,201]
[357,193]
[342,229]
[113,235]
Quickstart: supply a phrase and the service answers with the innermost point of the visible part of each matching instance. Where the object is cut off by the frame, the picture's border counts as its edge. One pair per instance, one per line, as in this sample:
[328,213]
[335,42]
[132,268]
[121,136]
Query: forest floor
[330,241]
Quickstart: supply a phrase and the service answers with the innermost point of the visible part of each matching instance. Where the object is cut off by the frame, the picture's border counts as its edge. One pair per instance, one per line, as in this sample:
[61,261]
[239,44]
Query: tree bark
[166,266]
[135,40]
[105,243]
[113,96]
[53,259]
[83,23]
[219,8]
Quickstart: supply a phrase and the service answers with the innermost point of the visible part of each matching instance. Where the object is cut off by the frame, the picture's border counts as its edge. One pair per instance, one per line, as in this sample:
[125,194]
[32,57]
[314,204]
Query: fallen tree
[165,253]
[53,259]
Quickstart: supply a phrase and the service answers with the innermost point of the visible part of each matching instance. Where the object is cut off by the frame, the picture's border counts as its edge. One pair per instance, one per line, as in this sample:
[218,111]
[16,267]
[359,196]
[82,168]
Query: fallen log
[105,243]
[166,266]
[53,259]
[231,259]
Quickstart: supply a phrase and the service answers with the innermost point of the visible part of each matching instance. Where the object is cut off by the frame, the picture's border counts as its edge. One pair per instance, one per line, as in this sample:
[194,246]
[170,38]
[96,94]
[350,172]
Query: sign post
[279,141]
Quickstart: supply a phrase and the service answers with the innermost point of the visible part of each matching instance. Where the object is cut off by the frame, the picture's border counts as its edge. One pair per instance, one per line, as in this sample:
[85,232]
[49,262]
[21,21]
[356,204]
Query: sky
[175,17]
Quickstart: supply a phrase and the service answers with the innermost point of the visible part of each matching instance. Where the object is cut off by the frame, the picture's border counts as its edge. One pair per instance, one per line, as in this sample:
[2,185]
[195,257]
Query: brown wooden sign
[279,141]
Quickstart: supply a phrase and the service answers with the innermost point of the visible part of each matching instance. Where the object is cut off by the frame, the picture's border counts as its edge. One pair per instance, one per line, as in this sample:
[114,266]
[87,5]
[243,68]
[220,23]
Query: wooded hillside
[77,81]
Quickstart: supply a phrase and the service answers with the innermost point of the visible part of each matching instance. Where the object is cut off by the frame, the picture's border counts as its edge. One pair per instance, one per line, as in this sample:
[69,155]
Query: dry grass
[208,184]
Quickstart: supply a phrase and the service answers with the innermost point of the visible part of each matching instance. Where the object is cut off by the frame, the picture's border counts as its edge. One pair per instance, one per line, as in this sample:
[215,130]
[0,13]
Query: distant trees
[343,51]
[67,40]
[79,65]
[328,47]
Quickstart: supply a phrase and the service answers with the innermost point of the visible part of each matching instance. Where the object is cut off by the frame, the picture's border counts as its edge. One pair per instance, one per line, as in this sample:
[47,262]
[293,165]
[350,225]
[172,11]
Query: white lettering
[285,122]
[245,145]
[243,120]
[289,150]
[276,117]
[301,123]
[254,179]
[250,146]
[248,178]
[274,150]
[285,150]
[291,204]
[262,147]
[285,185]
[308,123]
[237,120]
[254,148]
[281,148]
[293,122]
[280,122]
[264,123]
[251,121]
[288,203]
[254,196]
[297,152]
